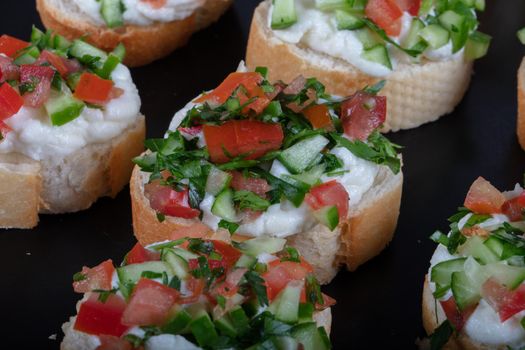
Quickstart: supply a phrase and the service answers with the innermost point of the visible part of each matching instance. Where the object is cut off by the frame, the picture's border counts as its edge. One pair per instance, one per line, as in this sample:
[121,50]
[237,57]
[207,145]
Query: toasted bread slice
[144,44]
[521,104]
[59,185]
[416,93]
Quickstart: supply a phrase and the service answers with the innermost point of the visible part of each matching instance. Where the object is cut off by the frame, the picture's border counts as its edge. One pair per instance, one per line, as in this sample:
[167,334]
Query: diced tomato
[93,89]
[195,287]
[192,131]
[256,185]
[259,103]
[457,317]
[10,101]
[229,254]
[328,301]
[248,80]
[279,274]
[410,6]
[98,277]
[197,230]
[319,116]
[483,198]
[110,342]
[96,317]
[138,254]
[327,194]
[10,71]
[4,130]
[386,14]
[242,137]
[56,61]
[507,303]
[514,208]
[41,77]
[362,113]
[149,304]
[10,46]
[170,202]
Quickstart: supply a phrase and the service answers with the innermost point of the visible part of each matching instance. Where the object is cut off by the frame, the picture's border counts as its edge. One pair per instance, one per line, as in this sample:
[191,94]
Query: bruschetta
[474,290]
[149,29]
[282,160]
[424,49]
[70,123]
[194,293]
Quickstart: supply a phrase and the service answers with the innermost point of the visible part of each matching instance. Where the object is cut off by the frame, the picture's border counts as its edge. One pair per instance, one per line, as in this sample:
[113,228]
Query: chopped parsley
[249,200]
[257,286]
[230,226]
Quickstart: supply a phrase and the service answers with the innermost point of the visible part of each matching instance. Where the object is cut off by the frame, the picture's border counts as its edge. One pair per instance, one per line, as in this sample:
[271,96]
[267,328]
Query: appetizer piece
[257,159]
[424,49]
[474,293]
[70,124]
[201,294]
[149,29]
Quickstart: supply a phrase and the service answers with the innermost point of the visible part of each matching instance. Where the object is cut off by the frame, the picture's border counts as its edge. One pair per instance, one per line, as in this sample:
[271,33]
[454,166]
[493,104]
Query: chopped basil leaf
[103,295]
[262,71]
[238,164]
[230,226]
[249,200]
[439,237]
[151,274]
[293,192]
[291,255]
[134,340]
[411,52]
[476,219]
[200,246]
[161,217]
[79,276]
[170,244]
[221,301]
[462,212]
[313,290]
[175,283]
[332,162]
[455,238]
[374,89]
[441,335]
[257,285]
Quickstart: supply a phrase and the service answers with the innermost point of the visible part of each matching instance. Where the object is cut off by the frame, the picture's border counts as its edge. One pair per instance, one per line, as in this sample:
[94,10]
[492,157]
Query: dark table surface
[379,305]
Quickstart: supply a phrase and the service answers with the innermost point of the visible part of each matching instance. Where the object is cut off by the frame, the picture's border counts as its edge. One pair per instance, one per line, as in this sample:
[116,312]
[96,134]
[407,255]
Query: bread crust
[431,321]
[364,235]
[521,104]
[144,44]
[416,93]
[69,184]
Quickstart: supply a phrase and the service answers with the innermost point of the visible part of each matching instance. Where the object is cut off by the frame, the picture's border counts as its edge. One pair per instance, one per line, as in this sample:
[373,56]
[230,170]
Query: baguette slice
[362,236]
[73,183]
[144,44]
[416,93]
[521,104]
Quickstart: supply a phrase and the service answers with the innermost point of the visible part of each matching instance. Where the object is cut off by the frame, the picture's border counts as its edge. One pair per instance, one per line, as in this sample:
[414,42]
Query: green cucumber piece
[476,248]
[108,67]
[225,326]
[477,45]
[329,5]
[246,261]
[201,325]
[456,24]
[328,216]
[63,108]
[311,337]
[179,321]
[284,14]
[412,39]
[60,43]
[510,276]
[285,306]
[435,35]
[239,320]
[495,245]
[82,51]
[306,312]
[368,38]
[183,253]
[120,51]
[300,156]
[223,206]
[217,181]
[131,273]
[426,6]
[255,246]
[178,265]
[378,54]
[111,11]
[441,273]
[347,20]
[312,176]
[466,285]
[24,58]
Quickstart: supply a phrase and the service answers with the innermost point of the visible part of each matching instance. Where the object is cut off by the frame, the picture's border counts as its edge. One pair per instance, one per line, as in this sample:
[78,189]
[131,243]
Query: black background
[379,305]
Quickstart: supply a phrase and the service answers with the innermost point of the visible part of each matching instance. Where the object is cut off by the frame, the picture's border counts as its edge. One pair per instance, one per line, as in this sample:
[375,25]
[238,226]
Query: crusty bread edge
[521,104]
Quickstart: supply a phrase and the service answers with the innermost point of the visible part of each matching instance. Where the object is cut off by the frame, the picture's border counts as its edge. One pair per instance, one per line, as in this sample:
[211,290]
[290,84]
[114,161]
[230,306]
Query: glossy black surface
[379,305]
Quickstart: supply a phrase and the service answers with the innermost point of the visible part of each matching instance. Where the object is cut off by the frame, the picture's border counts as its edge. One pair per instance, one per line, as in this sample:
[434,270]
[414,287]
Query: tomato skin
[280,273]
[195,286]
[327,194]
[138,254]
[149,304]
[110,342]
[514,207]
[229,254]
[358,120]
[386,14]
[242,137]
[10,46]
[454,315]
[410,6]
[10,71]
[170,202]
[319,116]
[256,185]
[95,317]
[506,302]
[93,89]
[248,80]
[10,101]
[43,75]
[483,198]
[98,277]
[56,61]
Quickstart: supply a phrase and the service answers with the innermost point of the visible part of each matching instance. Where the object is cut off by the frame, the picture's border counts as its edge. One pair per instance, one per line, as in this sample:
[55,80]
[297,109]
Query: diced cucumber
[300,156]
[312,176]
[183,253]
[285,306]
[132,273]
[368,38]
[108,67]
[456,25]
[412,38]
[239,320]
[255,246]
[37,35]
[495,245]
[328,216]
[306,312]
[329,5]
[225,326]
[24,58]
[217,181]
[201,325]
[72,80]
[81,49]
[178,265]
[426,6]
[246,261]
[378,54]
[435,35]
[63,108]
[347,20]
[284,14]
[284,343]
[111,11]
[223,206]
[477,45]
[475,247]
[178,322]
[466,285]
[510,276]
[120,51]
[61,43]
[441,273]
[310,336]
